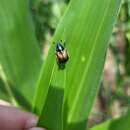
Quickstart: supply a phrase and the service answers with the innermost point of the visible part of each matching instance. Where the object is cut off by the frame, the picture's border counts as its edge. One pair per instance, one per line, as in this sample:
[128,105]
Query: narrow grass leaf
[19,51]
[88,25]
[122,123]
[86,28]
[44,82]
[54,103]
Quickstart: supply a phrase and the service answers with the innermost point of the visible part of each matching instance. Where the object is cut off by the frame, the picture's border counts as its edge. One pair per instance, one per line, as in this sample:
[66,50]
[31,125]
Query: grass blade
[117,124]
[87,44]
[86,28]
[54,102]
[19,51]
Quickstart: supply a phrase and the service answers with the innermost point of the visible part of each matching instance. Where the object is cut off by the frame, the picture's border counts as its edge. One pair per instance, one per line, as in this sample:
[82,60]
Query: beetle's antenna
[64,43]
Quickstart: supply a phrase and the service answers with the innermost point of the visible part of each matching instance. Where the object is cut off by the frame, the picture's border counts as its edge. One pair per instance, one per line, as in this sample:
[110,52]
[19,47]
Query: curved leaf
[19,51]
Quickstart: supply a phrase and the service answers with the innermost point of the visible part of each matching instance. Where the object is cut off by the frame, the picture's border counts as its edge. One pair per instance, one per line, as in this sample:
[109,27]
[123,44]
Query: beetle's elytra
[61,53]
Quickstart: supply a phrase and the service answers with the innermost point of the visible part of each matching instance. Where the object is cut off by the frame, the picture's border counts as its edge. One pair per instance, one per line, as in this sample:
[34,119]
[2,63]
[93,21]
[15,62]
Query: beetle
[61,53]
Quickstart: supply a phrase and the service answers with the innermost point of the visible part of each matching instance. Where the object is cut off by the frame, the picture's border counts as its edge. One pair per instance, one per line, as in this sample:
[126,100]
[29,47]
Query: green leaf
[44,82]
[88,41]
[3,93]
[5,88]
[50,92]
[86,28]
[19,51]
[122,123]
[54,103]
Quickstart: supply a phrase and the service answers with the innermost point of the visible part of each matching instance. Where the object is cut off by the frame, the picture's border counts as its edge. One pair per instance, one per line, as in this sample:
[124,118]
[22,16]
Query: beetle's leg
[64,44]
[61,66]
[53,42]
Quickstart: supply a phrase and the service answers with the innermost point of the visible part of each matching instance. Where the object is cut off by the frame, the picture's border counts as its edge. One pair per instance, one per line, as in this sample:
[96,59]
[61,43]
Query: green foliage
[3,92]
[64,97]
[86,36]
[118,124]
[19,51]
